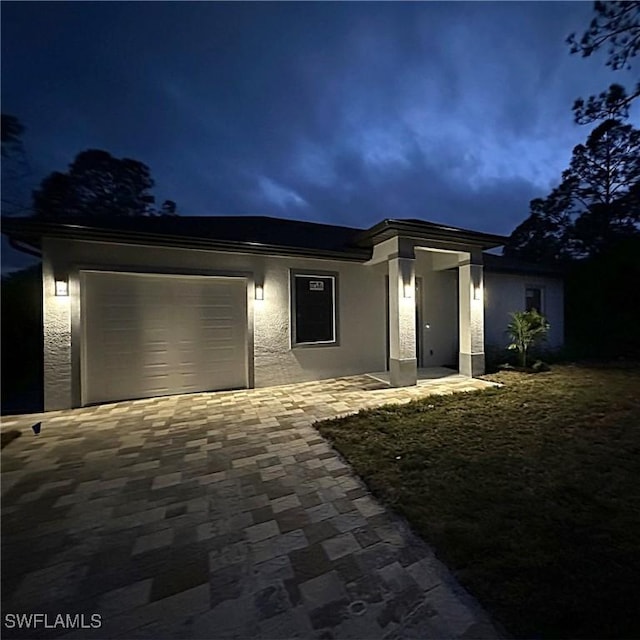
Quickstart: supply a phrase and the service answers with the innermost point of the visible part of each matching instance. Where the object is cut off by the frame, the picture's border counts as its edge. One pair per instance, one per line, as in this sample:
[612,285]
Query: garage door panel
[211,335]
[157,335]
[152,345]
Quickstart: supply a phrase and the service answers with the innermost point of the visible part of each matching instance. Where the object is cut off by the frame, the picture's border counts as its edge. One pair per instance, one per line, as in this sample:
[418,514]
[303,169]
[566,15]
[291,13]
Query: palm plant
[526,329]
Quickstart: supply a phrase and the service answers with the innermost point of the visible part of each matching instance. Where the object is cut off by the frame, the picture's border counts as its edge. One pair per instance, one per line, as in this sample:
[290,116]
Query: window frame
[293,328]
[540,288]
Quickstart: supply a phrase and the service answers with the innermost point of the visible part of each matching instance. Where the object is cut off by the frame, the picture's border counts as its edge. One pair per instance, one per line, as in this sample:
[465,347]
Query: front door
[419,322]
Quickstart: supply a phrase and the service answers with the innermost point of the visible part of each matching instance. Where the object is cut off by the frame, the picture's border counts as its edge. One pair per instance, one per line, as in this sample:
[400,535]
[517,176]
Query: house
[150,306]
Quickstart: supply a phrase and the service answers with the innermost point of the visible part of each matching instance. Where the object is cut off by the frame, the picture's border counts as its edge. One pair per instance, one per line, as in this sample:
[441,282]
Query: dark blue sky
[333,112]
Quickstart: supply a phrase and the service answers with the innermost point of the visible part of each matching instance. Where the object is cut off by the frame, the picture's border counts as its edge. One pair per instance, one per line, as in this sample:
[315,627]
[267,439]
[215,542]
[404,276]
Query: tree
[15,167]
[602,305]
[526,329]
[97,185]
[616,25]
[604,174]
[169,208]
[12,131]
[595,205]
[543,236]
[613,103]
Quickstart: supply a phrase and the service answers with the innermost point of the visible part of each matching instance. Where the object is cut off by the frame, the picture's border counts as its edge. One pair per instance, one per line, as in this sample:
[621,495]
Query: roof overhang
[425,232]
[501,264]
[27,233]
[31,231]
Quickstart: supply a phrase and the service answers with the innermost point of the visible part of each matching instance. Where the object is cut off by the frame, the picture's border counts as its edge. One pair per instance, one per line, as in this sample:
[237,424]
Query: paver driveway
[222,515]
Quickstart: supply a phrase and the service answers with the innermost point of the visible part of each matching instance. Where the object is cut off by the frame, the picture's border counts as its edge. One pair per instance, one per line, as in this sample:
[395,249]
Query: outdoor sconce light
[408,290]
[259,292]
[476,283]
[62,286]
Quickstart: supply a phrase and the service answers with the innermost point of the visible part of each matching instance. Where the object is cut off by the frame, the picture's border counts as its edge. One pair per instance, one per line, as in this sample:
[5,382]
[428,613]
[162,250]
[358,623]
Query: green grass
[530,493]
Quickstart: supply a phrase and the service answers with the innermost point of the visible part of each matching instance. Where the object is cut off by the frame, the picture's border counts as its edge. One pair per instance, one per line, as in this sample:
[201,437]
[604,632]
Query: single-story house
[150,306]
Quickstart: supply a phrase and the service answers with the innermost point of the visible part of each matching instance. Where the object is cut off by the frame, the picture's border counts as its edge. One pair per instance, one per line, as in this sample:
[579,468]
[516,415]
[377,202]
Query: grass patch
[7,437]
[530,493]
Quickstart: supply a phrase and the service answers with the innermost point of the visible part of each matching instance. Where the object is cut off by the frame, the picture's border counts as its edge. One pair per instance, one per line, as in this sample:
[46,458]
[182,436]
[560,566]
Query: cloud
[338,112]
[279,195]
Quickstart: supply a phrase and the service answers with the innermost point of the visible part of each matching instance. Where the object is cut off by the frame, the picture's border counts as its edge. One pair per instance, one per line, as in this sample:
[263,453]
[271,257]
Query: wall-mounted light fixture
[259,292]
[476,282]
[62,286]
[408,290]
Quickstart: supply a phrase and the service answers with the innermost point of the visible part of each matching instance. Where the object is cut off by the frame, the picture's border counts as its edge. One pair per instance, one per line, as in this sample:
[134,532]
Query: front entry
[418,298]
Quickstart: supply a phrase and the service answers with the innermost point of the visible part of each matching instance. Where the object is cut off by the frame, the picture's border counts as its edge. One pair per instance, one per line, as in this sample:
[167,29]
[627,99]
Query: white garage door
[154,335]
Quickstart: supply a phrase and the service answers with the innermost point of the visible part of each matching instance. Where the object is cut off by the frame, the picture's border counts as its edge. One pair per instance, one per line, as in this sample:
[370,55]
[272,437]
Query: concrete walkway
[220,515]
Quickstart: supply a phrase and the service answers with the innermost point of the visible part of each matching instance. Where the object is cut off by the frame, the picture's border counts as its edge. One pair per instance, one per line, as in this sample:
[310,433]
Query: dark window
[533,299]
[314,308]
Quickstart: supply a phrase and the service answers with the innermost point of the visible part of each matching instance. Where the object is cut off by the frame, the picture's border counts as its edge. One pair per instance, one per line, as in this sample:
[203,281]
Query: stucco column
[56,311]
[471,292]
[402,322]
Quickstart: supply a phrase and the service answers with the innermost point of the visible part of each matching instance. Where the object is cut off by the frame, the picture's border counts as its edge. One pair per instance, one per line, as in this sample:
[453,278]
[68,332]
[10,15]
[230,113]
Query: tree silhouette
[596,204]
[98,185]
[12,131]
[543,236]
[616,26]
[15,167]
[605,173]
[169,208]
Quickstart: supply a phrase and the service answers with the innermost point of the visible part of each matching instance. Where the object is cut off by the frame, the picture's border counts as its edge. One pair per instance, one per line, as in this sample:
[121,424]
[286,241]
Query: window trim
[293,329]
[543,301]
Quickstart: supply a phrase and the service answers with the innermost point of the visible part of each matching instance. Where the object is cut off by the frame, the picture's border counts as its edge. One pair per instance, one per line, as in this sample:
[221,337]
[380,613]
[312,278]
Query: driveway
[220,515]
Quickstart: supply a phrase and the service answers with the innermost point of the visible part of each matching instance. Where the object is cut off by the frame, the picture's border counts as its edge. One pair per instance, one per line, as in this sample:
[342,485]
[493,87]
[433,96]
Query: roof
[502,264]
[253,234]
[261,234]
[429,230]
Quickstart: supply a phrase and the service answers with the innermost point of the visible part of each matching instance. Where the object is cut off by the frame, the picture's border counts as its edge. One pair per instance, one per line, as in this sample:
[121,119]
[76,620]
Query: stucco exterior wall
[57,342]
[361,297]
[361,325]
[505,293]
[361,321]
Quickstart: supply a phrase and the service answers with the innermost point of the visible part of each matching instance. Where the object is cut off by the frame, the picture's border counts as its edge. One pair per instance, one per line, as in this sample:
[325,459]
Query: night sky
[344,113]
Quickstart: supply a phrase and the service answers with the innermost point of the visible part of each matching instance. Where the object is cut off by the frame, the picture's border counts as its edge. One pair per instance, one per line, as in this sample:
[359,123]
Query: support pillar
[471,293]
[403,368]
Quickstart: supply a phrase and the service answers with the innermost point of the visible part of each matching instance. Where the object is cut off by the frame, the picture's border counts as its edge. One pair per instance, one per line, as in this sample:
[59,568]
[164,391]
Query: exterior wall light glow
[408,291]
[476,292]
[259,292]
[62,287]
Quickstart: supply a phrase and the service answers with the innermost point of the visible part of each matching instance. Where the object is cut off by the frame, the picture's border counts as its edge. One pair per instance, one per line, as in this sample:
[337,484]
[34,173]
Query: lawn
[530,493]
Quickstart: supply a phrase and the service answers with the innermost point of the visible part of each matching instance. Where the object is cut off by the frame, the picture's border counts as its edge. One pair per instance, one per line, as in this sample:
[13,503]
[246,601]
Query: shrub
[525,330]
